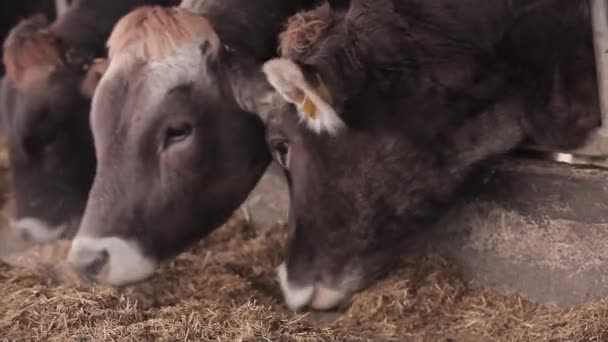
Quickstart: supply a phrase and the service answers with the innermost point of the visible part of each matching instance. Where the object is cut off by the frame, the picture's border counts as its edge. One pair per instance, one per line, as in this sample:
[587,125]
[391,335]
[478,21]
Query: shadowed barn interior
[521,257]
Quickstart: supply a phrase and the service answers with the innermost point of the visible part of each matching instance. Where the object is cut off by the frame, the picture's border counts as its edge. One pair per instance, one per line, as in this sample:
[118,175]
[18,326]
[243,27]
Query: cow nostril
[97,264]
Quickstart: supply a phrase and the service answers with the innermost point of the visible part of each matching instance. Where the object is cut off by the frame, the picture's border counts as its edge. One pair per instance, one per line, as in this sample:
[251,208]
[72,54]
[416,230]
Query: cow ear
[307,91]
[93,76]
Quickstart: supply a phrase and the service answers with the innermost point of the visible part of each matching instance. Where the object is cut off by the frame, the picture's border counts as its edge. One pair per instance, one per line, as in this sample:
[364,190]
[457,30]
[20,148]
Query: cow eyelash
[177,133]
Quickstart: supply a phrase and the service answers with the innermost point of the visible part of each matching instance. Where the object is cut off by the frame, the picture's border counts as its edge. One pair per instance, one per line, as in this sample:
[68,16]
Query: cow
[44,114]
[177,142]
[392,105]
[178,150]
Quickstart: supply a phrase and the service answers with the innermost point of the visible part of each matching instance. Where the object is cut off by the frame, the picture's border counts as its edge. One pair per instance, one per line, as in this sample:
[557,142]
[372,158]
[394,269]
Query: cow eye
[178,133]
[280,152]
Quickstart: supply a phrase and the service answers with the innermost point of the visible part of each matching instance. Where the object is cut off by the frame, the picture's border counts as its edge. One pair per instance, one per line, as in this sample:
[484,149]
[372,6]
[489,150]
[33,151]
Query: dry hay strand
[224,289]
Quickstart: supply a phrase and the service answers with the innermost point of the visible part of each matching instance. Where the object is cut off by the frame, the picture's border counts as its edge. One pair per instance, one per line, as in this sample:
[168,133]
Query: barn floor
[224,290]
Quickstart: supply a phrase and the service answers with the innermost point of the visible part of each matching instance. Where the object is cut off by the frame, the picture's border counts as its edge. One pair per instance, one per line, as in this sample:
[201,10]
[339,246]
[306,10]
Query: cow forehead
[148,83]
[185,66]
[158,76]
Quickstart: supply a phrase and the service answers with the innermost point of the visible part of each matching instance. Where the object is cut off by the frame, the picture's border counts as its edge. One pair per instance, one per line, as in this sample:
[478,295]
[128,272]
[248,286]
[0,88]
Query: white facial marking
[126,263]
[295,297]
[35,230]
[181,67]
[317,296]
[563,157]
[286,77]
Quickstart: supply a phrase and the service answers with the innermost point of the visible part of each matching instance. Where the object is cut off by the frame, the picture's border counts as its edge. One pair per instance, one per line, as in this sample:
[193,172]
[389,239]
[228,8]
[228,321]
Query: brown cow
[177,145]
[415,94]
[44,107]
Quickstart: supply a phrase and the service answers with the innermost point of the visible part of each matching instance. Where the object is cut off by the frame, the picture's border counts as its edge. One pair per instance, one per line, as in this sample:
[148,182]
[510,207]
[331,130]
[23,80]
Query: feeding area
[424,173]
[225,290]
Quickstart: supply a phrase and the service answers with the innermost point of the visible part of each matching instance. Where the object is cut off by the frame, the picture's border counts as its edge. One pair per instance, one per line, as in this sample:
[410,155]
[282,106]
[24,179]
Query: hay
[224,289]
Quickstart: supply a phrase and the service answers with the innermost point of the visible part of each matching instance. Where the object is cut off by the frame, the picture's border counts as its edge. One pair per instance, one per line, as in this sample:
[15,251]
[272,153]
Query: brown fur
[152,32]
[29,46]
[303,30]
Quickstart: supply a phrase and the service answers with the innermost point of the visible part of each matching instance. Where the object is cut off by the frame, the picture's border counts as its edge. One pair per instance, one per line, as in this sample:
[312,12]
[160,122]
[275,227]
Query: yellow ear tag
[308,108]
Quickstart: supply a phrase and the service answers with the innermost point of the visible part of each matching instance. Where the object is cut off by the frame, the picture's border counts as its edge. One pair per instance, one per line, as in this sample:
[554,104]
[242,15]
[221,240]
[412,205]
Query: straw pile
[224,289]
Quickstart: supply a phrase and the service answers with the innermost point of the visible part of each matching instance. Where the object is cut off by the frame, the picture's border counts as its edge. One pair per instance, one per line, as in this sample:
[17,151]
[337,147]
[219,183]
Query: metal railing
[597,144]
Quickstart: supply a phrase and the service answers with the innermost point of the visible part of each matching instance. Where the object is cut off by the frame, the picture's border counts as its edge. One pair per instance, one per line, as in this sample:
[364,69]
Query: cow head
[357,194]
[351,191]
[45,120]
[178,149]
[348,195]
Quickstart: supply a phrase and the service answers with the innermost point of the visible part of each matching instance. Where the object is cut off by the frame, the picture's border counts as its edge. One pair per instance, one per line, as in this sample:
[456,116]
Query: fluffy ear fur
[312,101]
[93,76]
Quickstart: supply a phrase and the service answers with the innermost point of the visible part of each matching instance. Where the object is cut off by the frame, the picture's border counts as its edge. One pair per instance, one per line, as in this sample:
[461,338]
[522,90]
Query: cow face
[355,194]
[351,197]
[358,195]
[177,150]
[44,116]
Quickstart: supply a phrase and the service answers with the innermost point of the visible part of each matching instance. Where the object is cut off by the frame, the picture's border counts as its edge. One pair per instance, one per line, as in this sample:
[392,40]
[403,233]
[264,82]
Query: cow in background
[44,114]
[13,11]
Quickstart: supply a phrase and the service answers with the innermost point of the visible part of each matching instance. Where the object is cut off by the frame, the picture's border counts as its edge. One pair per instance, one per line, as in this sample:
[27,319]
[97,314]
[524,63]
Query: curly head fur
[303,30]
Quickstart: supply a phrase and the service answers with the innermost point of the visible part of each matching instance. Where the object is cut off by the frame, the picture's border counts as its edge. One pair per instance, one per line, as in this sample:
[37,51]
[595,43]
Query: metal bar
[599,17]
[597,145]
[60,7]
